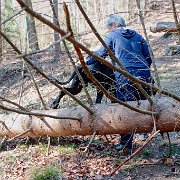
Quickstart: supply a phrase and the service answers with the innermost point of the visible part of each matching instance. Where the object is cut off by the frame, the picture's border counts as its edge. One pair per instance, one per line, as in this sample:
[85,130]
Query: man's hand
[90,60]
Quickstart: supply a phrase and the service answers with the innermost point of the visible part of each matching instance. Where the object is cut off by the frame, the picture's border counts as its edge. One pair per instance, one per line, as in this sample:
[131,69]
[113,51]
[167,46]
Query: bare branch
[36,114]
[43,50]
[91,140]
[3,140]
[3,123]
[48,146]
[20,135]
[15,104]
[22,84]
[136,152]
[37,88]
[145,93]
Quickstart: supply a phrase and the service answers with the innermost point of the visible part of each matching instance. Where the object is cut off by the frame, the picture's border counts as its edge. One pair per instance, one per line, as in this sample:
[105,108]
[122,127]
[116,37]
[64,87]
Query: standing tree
[176,19]
[31,29]
[10,28]
[54,5]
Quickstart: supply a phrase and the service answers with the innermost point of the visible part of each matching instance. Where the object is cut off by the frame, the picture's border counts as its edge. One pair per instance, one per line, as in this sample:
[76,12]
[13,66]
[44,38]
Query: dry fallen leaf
[168,161]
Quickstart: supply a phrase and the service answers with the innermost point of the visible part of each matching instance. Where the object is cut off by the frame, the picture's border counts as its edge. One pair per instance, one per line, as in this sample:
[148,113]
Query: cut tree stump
[164,27]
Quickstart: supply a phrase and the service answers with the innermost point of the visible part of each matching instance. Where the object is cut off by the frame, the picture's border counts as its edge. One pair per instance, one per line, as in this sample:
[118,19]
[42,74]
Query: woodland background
[30,158]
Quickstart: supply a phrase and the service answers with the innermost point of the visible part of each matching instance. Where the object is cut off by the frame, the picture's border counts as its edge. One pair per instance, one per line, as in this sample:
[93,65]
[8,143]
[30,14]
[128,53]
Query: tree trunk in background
[164,27]
[131,9]
[107,119]
[31,29]
[56,35]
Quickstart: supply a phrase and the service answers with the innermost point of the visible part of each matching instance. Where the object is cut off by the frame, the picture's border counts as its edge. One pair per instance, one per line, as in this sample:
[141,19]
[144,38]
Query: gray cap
[116,19]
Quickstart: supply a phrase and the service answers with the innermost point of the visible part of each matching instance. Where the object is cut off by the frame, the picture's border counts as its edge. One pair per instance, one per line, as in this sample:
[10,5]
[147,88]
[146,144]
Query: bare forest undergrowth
[22,158]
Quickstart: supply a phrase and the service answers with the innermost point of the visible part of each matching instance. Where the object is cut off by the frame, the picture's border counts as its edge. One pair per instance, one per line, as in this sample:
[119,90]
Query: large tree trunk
[108,119]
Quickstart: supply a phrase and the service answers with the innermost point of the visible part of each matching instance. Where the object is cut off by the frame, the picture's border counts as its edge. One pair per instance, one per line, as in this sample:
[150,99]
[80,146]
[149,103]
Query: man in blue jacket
[132,51]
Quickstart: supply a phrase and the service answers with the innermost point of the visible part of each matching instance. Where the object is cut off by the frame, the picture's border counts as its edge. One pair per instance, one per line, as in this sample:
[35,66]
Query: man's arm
[145,52]
[102,52]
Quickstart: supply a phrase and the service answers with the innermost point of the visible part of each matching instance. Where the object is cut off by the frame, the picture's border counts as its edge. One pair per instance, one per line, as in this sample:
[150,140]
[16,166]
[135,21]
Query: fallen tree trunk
[164,27]
[107,119]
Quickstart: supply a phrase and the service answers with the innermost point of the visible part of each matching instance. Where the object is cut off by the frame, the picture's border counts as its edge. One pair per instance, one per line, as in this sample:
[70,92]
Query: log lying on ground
[164,27]
[107,119]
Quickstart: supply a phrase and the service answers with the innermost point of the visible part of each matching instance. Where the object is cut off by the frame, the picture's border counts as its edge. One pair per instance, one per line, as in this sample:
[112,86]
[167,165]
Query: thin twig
[4,139]
[144,93]
[170,145]
[48,146]
[13,103]
[136,152]
[154,123]
[36,114]
[19,135]
[22,85]
[43,50]
[3,123]
[147,40]
[37,89]
[107,138]
[91,140]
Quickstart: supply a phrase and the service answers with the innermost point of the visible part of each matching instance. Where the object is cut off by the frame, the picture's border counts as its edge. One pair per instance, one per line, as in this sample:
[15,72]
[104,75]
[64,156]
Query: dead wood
[164,27]
[107,119]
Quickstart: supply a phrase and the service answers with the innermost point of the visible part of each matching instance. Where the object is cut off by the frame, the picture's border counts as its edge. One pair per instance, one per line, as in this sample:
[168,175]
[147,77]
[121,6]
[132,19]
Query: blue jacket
[128,46]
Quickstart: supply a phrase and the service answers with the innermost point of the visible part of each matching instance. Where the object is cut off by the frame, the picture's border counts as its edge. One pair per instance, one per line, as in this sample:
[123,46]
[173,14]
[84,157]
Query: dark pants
[127,91]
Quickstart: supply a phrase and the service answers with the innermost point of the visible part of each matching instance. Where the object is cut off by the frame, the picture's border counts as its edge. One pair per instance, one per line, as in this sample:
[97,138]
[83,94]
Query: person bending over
[132,51]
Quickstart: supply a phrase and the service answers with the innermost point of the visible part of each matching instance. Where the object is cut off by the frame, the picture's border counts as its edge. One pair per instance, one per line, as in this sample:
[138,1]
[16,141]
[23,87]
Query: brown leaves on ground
[22,160]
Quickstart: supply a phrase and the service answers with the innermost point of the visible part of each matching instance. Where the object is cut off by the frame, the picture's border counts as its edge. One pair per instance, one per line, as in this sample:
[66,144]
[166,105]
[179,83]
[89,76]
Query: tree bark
[107,119]
[164,27]
[31,29]
[56,35]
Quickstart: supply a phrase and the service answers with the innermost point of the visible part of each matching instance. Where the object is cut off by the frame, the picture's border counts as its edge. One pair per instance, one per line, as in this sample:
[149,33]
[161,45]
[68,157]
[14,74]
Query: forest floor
[25,158]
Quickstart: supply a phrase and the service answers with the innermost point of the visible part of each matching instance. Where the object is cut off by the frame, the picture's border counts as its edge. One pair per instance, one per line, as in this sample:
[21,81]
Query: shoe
[143,136]
[124,150]
[118,147]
